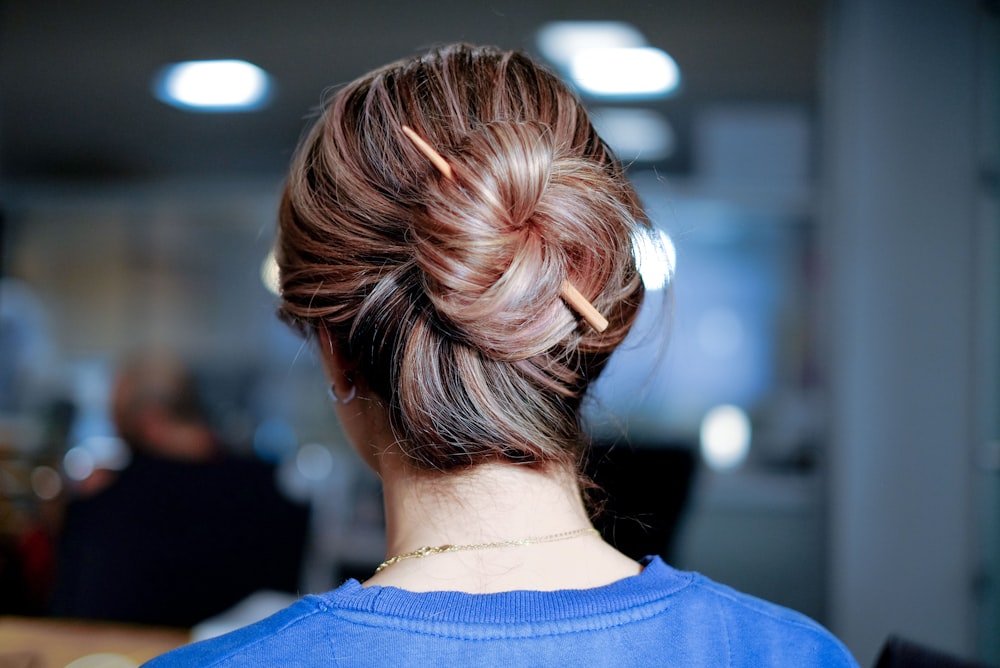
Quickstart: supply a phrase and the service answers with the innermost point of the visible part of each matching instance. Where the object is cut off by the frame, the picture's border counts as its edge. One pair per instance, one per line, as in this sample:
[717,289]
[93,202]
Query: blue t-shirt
[661,617]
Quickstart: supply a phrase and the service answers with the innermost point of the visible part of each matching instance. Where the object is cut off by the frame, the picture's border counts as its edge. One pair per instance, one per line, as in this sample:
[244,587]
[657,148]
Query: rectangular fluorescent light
[608,59]
[213,85]
[559,41]
[642,72]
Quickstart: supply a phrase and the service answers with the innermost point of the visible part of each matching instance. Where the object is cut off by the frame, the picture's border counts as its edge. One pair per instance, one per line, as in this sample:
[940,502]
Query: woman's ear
[335,364]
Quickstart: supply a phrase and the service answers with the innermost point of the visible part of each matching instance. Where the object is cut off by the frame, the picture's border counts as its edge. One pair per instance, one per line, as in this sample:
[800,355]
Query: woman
[459,241]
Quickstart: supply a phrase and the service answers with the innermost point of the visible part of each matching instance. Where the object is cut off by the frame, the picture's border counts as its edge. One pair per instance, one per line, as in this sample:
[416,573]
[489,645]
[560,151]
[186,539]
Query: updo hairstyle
[445,295]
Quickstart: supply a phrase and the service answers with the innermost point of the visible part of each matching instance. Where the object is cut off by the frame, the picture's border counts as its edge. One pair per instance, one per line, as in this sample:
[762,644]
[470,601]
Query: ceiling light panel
[643,72]
[559,41]
[213,85]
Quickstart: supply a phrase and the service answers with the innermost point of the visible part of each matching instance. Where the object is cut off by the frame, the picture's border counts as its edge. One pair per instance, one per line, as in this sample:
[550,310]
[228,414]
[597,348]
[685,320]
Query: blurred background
[823,427]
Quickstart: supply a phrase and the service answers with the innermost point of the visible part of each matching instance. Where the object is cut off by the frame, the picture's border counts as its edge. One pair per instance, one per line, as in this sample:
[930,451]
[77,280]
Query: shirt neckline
[655,582]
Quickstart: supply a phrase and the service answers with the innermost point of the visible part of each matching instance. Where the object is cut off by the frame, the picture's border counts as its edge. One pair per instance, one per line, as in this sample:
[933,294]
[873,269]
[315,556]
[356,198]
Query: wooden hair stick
[569,293]
[580,304]
[428,150]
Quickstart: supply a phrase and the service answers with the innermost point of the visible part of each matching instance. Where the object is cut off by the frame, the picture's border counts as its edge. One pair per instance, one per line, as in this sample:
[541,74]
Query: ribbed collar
[655,583]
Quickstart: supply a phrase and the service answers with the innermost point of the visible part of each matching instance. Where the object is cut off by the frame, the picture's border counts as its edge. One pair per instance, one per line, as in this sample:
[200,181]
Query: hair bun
[496,246]
[445,294]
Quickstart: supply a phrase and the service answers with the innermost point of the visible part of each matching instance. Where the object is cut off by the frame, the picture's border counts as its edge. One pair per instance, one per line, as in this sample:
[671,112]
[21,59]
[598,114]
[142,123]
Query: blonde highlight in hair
[445,294]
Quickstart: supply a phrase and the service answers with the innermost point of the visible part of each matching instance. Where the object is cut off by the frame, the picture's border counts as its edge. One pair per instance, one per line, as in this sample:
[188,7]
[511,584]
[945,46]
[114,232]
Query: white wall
[899,179]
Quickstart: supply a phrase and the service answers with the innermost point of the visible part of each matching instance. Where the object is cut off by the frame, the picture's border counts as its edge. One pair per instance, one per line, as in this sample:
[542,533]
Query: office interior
[820,359]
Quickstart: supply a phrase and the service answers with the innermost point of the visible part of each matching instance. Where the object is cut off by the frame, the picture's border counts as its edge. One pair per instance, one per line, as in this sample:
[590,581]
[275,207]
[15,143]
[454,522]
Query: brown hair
[445,295]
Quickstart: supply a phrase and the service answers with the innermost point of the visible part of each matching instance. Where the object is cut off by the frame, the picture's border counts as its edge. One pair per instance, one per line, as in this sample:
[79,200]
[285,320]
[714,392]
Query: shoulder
[762,633]
[268,642]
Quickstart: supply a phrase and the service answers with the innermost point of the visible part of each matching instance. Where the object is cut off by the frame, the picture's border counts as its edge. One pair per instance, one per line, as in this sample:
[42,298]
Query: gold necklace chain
[427,551]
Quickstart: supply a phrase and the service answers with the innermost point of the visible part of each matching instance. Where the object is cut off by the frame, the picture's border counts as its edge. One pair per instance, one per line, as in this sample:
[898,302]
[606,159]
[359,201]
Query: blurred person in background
[185,531]
[458,241]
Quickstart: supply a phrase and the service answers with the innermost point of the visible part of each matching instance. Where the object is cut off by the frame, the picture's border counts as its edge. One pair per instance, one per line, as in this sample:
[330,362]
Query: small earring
[353,392]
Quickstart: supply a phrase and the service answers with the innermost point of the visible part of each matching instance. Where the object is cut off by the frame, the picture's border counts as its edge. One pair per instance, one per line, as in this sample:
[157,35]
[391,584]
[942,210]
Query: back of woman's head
[445,294]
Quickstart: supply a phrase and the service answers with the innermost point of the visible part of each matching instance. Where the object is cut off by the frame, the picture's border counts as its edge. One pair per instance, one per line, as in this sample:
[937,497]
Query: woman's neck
[492,503]
[486,503]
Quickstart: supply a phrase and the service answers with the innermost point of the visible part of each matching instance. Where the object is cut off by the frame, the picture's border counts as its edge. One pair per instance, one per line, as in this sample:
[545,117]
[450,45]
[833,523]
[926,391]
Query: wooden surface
[54,643]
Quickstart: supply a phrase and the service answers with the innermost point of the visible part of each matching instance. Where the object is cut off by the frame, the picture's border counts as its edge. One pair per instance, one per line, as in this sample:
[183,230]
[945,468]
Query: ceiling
[75,77]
